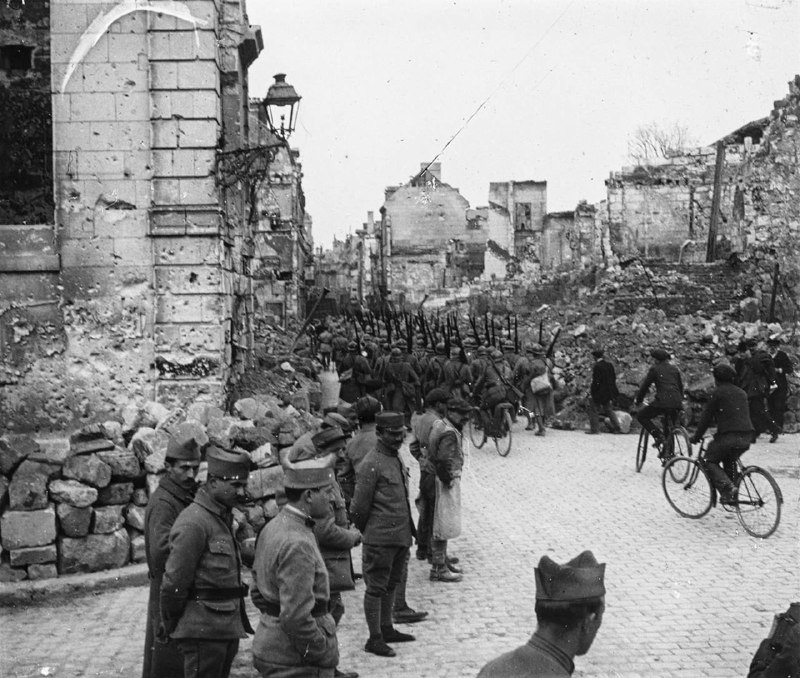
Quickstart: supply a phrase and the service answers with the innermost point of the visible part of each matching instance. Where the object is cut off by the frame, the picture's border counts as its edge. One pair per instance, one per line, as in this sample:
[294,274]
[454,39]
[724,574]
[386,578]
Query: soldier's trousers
[206,658]
[426,504]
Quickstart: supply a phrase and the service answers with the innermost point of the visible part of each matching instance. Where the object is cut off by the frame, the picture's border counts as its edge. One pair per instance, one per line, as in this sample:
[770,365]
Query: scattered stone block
[134,516]
[45,571]
[88,469]
[13,450]
[155,413]
[52,451]
[138,551]
[32,555]
[21,529]
[88,432]
[300,401]
[262,455]
[124,464]
[115,493]
[108,519]
[197,412]
[74,521]
[220,431]
[150,448]
[213,413]
[249,408]
[28,488]
[140,496]
[94,552]
[265,482]
[153,479]
[113,431]
[72,492]
[9,575]
[90,446]
[251,438]
[173,418]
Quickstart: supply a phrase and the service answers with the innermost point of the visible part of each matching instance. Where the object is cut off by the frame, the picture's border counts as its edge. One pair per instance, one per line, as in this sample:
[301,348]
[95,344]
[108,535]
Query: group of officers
[343,485]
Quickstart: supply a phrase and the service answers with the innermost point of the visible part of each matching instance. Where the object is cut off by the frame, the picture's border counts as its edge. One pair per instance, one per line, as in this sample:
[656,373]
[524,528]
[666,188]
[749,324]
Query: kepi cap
[579,579]
[328,436]
[303,468]
[186,442]
[458,405]
[392,421]
[659,354]
[227,465]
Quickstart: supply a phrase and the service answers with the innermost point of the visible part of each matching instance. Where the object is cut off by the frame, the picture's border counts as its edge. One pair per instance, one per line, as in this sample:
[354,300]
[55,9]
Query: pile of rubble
[696,342]
[79,505]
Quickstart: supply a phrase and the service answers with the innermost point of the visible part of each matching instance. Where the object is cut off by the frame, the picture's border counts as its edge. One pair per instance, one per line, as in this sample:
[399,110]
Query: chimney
[435,169]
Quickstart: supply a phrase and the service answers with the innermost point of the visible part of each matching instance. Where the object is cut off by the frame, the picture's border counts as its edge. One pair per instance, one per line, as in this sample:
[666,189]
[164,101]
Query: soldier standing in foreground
[202,604]
[175,492]
[380,510]
[296,636]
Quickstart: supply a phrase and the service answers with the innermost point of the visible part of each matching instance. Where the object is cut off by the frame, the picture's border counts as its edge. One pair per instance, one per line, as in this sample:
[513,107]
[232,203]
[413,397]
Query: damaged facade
[427,240]
[140,286]
[283,244]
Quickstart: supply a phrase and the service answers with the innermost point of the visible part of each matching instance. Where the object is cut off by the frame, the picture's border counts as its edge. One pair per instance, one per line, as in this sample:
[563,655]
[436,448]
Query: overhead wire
[501,84]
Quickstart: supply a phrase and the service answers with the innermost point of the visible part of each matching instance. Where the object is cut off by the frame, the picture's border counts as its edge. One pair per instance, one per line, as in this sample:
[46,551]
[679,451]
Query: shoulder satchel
[541,384]
[508,384]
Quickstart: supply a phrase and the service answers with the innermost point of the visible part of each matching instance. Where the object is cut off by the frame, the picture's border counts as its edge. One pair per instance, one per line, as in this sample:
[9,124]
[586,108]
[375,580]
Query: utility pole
[711,249]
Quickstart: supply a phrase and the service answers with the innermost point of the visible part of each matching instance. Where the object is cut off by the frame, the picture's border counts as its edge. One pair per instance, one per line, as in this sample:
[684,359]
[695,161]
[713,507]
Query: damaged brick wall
[153,265]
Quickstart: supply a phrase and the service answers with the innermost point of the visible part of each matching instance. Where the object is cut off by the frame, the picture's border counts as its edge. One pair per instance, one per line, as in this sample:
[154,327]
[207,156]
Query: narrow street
[684,597]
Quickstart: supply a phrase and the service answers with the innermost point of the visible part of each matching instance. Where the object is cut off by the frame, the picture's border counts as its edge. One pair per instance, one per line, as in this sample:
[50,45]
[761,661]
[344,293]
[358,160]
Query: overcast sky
[386,84]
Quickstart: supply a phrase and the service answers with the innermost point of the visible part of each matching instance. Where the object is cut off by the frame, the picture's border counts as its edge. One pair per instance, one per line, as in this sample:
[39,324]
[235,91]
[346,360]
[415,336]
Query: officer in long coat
[296,634]
[380,510]
[202,606]
[174,493]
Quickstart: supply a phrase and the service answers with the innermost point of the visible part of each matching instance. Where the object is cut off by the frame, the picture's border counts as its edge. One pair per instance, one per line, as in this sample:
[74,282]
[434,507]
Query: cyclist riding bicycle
[493,386]
[669,395]
[729,409]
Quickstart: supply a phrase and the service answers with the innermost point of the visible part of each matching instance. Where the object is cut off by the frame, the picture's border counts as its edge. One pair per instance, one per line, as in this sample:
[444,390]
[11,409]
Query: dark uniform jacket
[728,407]
[669,386]
[356,386]
[203,557]
[421,428]
[335,539]
[757,373]
[536,659]
[457,378]
[291,577]
[604,382]
[380,509]
[165,504]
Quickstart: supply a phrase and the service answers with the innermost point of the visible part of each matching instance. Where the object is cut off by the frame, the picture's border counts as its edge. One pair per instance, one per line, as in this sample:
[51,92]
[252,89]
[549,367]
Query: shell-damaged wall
[148,268]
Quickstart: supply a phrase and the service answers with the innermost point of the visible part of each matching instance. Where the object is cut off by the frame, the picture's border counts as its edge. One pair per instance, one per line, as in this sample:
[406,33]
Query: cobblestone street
[684,598]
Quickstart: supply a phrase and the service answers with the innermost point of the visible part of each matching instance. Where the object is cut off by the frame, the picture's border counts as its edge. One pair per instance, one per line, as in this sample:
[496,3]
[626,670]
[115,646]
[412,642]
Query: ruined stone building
[427,241]
[131,277]
[284,247]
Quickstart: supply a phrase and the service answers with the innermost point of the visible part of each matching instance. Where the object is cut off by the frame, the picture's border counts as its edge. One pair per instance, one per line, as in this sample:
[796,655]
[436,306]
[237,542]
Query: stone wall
[146,289]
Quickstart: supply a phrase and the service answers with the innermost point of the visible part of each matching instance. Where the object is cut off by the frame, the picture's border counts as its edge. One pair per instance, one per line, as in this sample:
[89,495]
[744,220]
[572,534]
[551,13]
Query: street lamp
[280,95]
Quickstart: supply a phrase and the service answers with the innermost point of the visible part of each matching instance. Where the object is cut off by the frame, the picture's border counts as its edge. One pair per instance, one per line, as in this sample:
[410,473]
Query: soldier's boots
[442,573]
[392,635]
[377,645]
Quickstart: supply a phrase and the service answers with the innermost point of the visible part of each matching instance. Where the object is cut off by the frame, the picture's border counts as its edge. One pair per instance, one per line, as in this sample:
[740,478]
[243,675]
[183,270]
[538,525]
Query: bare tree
[655,140]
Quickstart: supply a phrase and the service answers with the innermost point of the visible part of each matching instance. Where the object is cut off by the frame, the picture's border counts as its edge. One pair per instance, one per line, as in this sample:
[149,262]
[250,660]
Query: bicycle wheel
[477,430]
[679,446]
[692,497]
[503,443]
[641,449]
[758,502]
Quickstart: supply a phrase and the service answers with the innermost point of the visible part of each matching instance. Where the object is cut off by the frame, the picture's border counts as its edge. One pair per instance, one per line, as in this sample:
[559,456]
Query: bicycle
[757,497]
[676,442]
[482,426]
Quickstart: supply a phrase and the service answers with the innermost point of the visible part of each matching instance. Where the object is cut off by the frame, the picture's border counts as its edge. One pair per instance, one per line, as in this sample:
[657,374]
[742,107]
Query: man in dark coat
[756,376]
[457,376]
[776,400]
[400,386]
[380,510]
[296,635]
[202,606]
[669,394]
[570,601]
[602,393]
[728,408]
[354,373]
[174,493]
